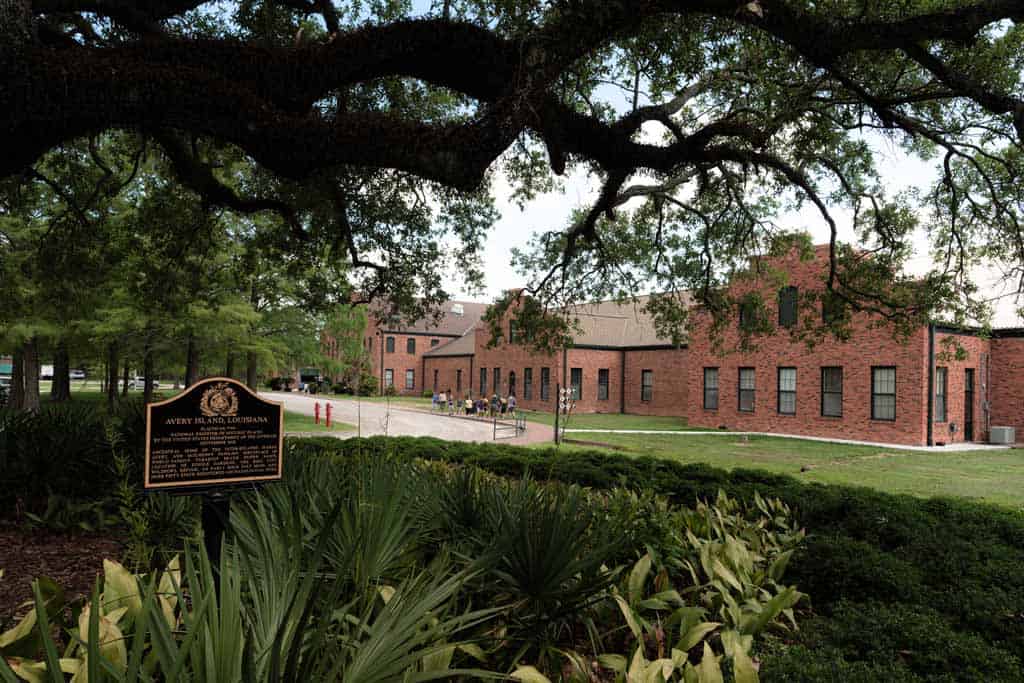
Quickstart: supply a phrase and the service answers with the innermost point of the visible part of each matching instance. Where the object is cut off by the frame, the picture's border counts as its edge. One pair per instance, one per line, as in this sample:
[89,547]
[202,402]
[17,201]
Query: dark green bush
[64,451]
[916,636]
[938,562]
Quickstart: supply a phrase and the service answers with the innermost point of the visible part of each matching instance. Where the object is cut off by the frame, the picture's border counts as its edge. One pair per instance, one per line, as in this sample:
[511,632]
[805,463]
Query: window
[511,383]
[602,385]
[576,382]
[389,378]
[435,380]
[410,379]
[369,346]
[787,306]
[646,384]
[746,390]
[528,384]
[787,391]
[940,394]
[545,384]
[883,393]
[832,392]
[833,309]
[390,348]
[497,381]
[710,388]
[458,381]
[483,381]
[747,315]
[410,345]
[512,336]
[434,342]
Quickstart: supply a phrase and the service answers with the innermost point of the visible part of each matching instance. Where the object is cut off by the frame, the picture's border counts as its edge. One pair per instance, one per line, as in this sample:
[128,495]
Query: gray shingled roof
[615,324]
[460,346]
[450,323]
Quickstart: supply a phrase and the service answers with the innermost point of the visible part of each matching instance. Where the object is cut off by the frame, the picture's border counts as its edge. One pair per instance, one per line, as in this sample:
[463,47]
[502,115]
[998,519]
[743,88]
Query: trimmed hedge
[901,588]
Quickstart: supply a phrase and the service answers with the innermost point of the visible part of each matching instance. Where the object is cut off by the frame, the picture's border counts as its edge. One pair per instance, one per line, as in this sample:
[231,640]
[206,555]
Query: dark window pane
[576,381]
[483,381]
[390,347]
[711,388]
[545,384]
[883,393]
[787,391]
[410,379]
[746,390]
[832,392]
[787,306]
[528,384]
[602,385]
[410,345]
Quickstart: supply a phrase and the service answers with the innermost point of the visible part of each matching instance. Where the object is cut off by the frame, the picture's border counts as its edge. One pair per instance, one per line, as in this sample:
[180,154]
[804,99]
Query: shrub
[958,559]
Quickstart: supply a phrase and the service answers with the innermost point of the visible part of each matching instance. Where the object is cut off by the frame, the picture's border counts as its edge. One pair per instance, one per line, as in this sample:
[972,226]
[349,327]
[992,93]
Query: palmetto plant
[381,570]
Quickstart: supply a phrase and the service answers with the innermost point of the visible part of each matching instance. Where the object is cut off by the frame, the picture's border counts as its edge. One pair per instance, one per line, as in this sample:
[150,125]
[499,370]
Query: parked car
[76,374]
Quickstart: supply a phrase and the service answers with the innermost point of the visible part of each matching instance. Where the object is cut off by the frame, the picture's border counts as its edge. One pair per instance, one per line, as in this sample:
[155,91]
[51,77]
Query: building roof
[457,318]
[460,346]
[617,324]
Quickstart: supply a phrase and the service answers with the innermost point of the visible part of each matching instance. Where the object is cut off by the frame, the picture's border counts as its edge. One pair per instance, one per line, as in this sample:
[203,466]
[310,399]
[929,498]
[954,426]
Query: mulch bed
[73,560]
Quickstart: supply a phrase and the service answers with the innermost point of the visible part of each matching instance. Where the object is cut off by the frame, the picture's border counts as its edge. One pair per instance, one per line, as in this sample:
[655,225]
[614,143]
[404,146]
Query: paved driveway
[402,421]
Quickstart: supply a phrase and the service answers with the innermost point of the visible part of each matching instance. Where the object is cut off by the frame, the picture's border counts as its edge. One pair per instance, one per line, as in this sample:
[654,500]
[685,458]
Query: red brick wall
[447,368]
[671,390]
[400,360]
[1007,389]
[867,347]
[591,361]
[516,358]
[975,348]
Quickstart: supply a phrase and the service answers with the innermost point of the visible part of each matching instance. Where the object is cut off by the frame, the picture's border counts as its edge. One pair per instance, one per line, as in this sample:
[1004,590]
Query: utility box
[1005,436]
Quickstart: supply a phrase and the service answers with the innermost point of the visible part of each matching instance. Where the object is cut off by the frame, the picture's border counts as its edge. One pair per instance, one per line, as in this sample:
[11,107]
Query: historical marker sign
[217,432]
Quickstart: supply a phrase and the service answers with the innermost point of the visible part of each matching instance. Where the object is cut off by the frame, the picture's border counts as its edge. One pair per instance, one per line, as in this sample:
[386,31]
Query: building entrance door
[969,404]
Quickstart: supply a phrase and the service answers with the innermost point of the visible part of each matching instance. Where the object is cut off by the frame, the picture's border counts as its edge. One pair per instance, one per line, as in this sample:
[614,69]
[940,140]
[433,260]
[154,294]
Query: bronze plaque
[216,432]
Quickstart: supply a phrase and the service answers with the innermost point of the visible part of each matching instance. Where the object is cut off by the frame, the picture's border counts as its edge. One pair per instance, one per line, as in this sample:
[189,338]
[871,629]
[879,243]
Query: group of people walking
[481,407]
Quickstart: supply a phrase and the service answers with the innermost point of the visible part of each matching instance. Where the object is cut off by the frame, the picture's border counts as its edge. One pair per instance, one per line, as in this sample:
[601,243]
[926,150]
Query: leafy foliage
[950,558]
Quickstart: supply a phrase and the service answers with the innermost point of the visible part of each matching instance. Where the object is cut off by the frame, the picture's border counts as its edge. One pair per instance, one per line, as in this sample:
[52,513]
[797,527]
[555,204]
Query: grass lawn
[989,476]
[297,422]
[615,421]
[293,422]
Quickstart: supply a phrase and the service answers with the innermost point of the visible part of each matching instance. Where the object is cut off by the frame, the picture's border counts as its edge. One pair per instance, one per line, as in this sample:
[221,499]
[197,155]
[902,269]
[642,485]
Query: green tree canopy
[735,110]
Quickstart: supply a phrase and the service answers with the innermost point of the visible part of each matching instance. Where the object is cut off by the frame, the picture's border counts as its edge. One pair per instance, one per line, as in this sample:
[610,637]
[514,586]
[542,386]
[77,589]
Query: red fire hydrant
[316,413]
[328,412]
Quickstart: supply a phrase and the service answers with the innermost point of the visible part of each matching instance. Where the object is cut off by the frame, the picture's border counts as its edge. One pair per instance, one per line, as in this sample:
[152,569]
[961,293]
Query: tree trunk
[60,387]
[31,369]
[17,398]
[229,369]
[112,363]
[191,362]
[147,375]
[250,370]
[124,388]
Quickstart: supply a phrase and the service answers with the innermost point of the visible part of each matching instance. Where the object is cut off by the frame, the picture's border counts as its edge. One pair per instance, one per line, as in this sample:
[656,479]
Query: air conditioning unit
[1005,436]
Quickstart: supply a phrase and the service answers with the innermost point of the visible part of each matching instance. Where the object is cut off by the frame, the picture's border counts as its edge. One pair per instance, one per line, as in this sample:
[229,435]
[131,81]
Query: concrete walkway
[374,418]
[929,449]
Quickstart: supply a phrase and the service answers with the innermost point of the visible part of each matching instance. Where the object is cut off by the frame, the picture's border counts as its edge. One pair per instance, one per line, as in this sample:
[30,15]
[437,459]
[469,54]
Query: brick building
[871,386]
[397,352]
